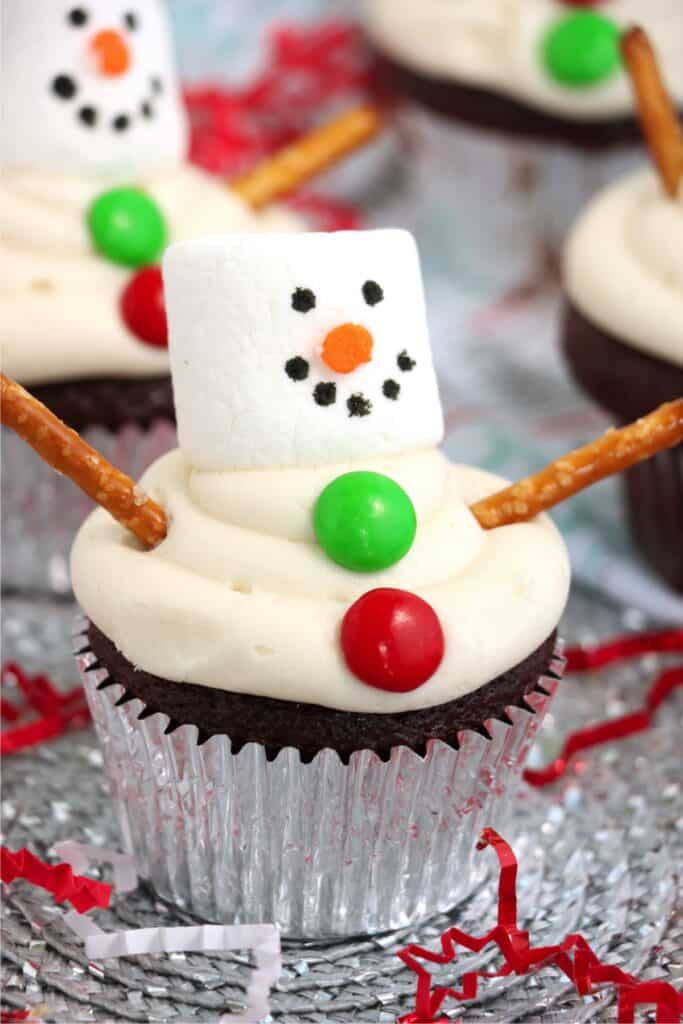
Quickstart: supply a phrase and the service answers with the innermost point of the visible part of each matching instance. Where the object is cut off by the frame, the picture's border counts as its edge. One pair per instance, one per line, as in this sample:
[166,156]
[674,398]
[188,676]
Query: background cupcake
[289,671]
[95,183]
[542,108]
[623,328]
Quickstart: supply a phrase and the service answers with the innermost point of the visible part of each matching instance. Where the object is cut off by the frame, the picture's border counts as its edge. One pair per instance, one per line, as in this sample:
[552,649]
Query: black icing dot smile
[359,405]
[64,86]
[405,363]
[157,85]
[303,300]
[373,293]
[88,116]
[297,368]
[391,389]
[325,394]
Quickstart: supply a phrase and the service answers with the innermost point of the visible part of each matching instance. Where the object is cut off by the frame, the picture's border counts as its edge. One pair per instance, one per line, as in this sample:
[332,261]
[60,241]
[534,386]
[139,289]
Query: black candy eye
[77,17]
[372,293]
[296,368]
[303,300]
[131,20]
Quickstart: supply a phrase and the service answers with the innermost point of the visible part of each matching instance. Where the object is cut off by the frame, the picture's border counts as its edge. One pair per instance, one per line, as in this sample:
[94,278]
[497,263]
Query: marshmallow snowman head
[299,350]
[90,87]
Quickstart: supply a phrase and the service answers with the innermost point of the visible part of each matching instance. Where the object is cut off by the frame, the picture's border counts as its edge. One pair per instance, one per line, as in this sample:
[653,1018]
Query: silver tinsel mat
[599,854]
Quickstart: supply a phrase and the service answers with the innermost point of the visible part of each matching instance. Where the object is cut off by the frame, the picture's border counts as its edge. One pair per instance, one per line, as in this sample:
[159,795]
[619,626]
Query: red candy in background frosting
[143,308]
[392,640]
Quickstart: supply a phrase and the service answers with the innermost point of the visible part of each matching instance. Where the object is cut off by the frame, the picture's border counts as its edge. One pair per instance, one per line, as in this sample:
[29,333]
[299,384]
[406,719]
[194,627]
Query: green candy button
[127,227]
[365,521]
[582,49]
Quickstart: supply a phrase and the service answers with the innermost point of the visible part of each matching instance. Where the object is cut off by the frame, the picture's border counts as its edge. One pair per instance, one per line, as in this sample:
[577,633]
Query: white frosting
[494,44]
[233,330]
[240,597]
[59,300]
[624,265]
[42,130]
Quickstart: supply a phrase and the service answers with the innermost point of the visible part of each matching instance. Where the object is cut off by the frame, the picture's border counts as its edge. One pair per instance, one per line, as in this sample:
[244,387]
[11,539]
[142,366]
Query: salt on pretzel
[284,172]
[615,452]
[658,115]
[65,451]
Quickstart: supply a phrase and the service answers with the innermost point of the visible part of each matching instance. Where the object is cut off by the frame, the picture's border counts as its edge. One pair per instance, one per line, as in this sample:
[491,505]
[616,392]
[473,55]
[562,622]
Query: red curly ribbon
[57,712]
[590,659]
[581,659]
[574,957]
[83,893]
[309,69]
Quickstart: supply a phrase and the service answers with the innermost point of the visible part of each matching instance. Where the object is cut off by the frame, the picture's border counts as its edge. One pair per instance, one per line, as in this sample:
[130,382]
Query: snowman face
[90,87]
[292,350]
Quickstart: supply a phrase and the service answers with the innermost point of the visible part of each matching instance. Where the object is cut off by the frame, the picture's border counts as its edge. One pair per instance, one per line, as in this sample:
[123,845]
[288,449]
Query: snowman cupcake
[623,328]
[316,690]
[542,113]
[95,183]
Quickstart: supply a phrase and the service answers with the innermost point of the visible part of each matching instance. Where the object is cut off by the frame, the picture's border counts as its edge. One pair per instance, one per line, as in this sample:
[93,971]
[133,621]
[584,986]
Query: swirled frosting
[495,44]
[240,597]
[59,300]
[624,265]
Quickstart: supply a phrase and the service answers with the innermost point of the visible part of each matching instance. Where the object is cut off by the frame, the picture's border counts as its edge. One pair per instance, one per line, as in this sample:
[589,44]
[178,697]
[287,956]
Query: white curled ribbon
[80,856]
[263,940]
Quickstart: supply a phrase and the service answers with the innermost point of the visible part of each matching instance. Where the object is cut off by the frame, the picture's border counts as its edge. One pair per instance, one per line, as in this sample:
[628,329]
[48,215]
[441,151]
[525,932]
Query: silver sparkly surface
[42,510]
[599,854]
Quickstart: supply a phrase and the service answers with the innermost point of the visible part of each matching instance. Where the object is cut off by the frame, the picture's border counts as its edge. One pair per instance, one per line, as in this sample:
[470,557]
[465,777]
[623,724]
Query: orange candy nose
[111,52]
[347,347]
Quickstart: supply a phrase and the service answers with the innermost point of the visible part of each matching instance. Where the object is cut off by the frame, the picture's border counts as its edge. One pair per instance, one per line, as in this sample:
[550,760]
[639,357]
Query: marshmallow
[299,350]
[90,88]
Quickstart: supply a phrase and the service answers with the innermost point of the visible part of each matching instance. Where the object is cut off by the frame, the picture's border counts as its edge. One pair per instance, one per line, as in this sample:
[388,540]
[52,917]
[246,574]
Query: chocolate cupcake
[539,114]
[623,324]
[623,339]
[315,691]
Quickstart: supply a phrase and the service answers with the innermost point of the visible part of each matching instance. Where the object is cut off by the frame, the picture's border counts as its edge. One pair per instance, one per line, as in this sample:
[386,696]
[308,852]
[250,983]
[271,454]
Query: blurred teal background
[224,39]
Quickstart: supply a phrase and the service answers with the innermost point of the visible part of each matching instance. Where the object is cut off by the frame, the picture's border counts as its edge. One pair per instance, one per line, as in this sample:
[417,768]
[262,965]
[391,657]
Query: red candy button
[392,640]
[143,308]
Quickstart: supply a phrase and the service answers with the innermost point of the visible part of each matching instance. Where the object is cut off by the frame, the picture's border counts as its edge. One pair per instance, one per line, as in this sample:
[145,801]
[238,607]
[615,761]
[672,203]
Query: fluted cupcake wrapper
[321,849]
[42,510]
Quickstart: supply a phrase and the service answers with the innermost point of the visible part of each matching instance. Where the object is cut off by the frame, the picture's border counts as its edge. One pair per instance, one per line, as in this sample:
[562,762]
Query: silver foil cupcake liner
[496,210]
[41,510]
[323,849]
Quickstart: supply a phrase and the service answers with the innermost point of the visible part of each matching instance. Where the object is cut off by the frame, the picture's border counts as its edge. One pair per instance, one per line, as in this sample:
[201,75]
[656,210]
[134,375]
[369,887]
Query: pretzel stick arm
[284,172]
[615,452]
[69,454]
[658,115]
